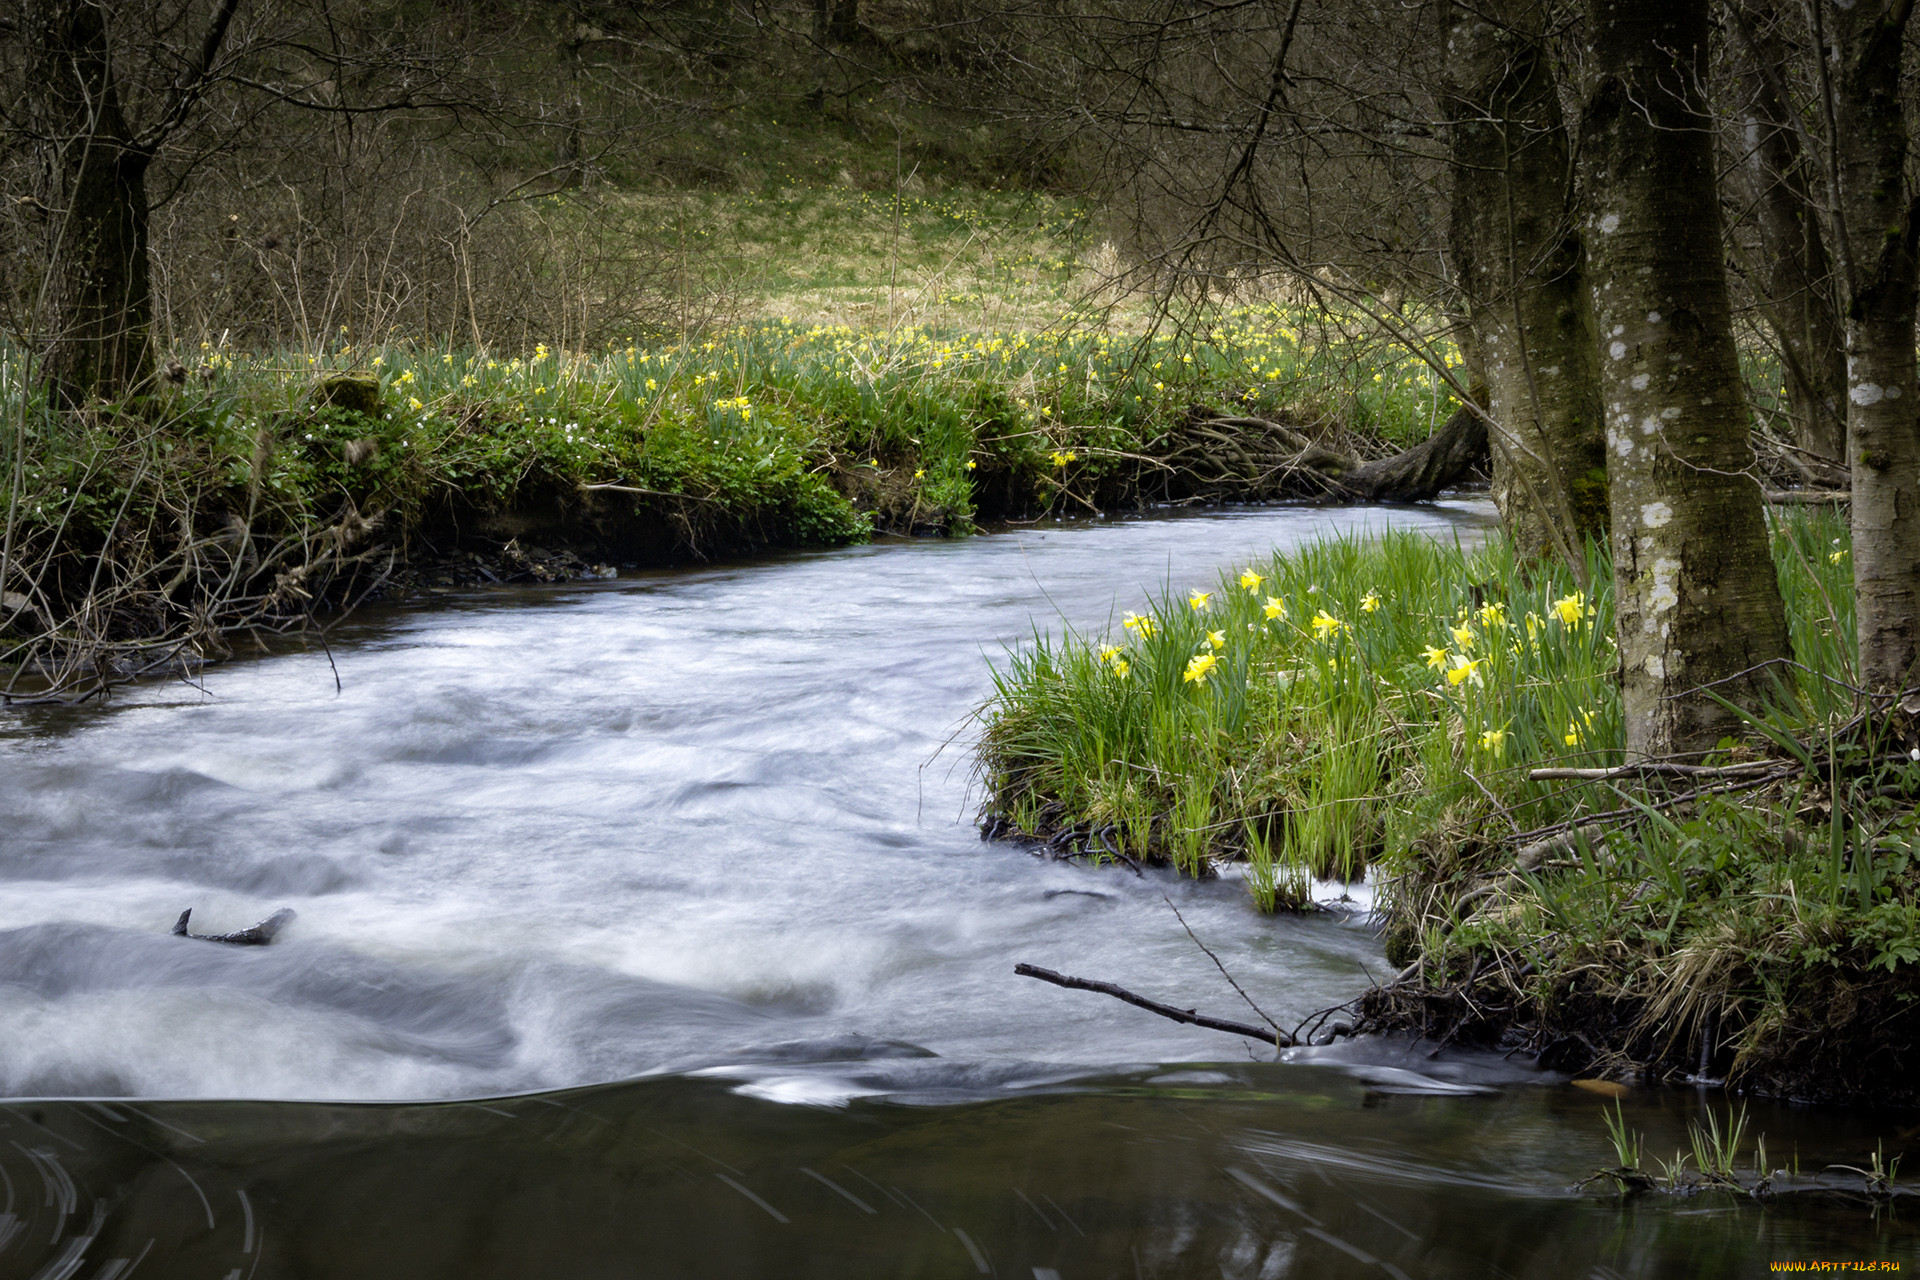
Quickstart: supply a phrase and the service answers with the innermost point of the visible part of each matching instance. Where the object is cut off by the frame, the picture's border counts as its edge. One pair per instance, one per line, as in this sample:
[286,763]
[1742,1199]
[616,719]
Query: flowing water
[660,905]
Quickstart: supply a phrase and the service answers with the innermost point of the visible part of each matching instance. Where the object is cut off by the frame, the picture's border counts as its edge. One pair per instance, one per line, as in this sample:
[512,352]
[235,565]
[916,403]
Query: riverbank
[1437,717]
[258,491]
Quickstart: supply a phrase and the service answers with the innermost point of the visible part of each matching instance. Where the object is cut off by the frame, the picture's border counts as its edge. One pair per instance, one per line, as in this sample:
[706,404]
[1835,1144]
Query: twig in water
[1280,1039]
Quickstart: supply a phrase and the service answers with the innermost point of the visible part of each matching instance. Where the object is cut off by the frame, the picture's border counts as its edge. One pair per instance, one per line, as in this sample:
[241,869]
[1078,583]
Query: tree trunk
[570,167]
[1518,266]
[1861,47]
[1696,601]
[836,21]
[95,333]
[1795,275]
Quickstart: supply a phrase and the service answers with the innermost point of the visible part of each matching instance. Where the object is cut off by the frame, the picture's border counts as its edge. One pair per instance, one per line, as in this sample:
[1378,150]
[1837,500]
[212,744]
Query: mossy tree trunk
[1518,266]
[94,331]
[1862,44]
[1696,601]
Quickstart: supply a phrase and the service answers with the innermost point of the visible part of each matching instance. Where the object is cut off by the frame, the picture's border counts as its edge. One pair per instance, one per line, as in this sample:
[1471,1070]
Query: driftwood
[1266,1035]
[1228,457]
[258,935]
[1444,459]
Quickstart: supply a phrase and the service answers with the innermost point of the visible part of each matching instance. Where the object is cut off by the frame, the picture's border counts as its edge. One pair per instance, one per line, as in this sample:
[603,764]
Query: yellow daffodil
[413,402]
[1463,669]
[1326,626]
[1463,635]
[1837,556]
[1436,657]
[1276,608]
[1121,667]
[1493,615]
[1197,600]
[1199,668]
[1534,623]
[971,464]
[1370,602]
[1573,734]
[1494,741]
[1139,623]
[1572,610]
[1109,653]
[1251,581]
[1218,639]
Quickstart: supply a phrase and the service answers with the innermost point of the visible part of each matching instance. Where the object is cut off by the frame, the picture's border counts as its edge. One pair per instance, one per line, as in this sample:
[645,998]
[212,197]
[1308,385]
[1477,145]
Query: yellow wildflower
[1572,610]
[1370,602]
[1218,639]
[1326,626]
[1494,741]
[1493,615]
[1436,657]
[1251,581]
[971,464]
[1463,669]
[1276,608]
[1199,668]
[1109,653]
[1121,667]
[1463,635]
[1197,600]
[1837,556]
[1138,623]
[1573,734]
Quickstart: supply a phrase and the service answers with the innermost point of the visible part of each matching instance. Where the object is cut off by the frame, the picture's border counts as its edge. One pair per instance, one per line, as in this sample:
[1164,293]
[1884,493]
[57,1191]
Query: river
[643,928]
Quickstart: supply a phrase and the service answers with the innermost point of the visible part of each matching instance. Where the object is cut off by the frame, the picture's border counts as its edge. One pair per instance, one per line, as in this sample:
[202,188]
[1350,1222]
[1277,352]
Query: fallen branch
[1279,1039]
[1808,497]
[1653,769]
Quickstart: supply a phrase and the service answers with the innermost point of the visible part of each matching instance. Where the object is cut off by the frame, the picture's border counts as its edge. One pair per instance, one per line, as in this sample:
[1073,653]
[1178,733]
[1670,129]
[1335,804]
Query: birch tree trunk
[1861,50]
[1518,266]
[1695,596]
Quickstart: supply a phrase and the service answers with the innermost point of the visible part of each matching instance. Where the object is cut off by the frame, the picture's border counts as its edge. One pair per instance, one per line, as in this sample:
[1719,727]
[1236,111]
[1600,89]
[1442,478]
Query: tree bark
[95,332]
[1796,272]
[1862,45]
[1518,266]
[1696,601]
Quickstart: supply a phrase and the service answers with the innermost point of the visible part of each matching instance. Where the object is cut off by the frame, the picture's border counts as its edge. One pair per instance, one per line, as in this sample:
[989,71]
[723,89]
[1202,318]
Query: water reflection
[1236,1171]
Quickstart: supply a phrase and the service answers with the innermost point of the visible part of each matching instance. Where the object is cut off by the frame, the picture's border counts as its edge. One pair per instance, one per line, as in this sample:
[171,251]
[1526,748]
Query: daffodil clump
[1348,702]
[1312,712]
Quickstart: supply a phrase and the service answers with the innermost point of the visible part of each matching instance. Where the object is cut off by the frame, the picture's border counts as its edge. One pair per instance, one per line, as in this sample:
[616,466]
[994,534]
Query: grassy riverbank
[247,493]
[1386,703]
